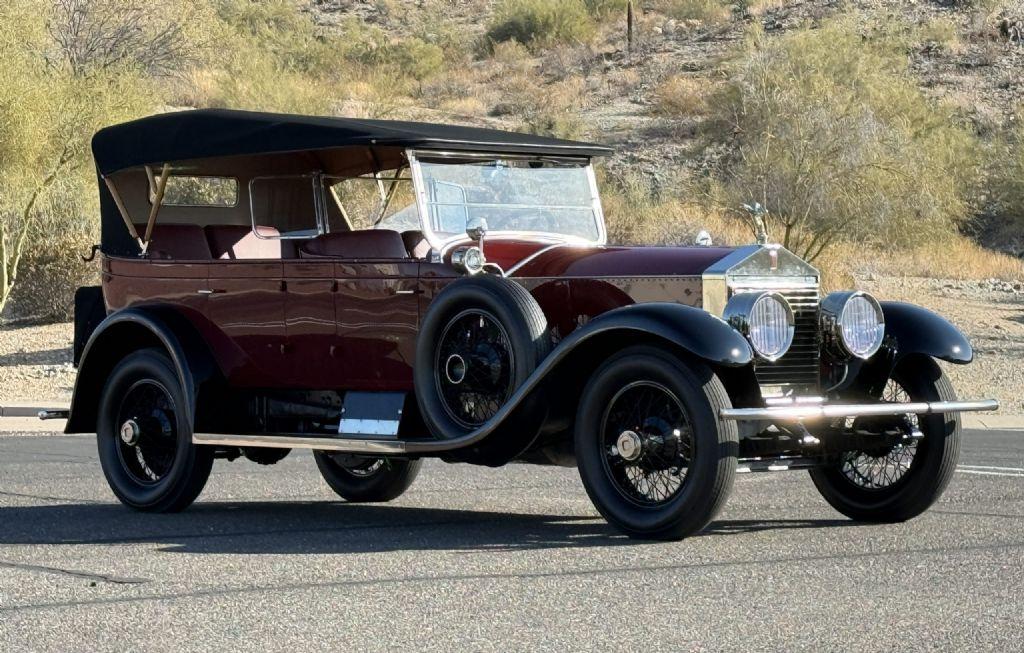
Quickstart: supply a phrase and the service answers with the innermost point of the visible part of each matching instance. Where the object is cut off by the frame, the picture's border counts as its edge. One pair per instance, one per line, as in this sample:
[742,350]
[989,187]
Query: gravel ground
[35,361]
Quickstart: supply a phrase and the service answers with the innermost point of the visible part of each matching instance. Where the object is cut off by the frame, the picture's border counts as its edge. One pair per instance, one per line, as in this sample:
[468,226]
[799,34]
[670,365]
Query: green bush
[541,23]
[834,137]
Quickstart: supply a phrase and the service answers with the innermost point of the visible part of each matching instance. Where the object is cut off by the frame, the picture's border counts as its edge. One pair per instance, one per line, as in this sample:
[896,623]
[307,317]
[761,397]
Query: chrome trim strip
[828,411]
[285,441]
[508,272]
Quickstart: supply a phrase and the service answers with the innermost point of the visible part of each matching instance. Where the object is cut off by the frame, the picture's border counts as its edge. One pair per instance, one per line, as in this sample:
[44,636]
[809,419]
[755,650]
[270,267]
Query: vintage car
[382,292]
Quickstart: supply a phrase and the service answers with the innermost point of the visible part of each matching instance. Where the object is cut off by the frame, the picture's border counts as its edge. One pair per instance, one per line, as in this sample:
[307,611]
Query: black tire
[712,443]
[163,471]
[366,480]
[929,470]
[520,326]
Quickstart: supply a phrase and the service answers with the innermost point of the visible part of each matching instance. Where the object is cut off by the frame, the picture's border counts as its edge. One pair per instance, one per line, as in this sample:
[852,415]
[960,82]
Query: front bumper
[803,413]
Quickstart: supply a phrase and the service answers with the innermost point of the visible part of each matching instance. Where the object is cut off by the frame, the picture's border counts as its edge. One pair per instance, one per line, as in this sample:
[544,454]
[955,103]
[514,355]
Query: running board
[353,444]
[31,411]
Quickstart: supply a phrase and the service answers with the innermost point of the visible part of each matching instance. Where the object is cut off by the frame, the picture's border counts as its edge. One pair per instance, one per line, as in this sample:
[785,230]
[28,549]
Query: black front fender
[912,329]
[128,330]
[692,329]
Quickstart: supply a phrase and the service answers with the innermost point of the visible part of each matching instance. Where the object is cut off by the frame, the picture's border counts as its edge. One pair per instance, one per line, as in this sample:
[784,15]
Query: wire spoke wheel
[648,443]
[474,367]
[147,429]
[885,468]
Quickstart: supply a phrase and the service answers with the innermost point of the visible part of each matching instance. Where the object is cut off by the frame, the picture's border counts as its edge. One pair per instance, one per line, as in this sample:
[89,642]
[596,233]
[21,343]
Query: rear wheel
[366,480]
[899,482]
[144,437]
[653,455]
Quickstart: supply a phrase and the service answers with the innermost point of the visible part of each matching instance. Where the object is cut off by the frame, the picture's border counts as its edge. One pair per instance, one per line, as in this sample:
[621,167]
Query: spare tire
[480,339]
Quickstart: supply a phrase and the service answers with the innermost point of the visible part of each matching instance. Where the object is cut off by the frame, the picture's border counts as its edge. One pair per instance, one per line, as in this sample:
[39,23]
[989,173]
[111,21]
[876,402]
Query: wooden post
[629,26]
[119,203]
[161,186]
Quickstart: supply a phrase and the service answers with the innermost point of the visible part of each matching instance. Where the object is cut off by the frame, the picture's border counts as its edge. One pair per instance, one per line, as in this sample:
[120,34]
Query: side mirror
[477,229]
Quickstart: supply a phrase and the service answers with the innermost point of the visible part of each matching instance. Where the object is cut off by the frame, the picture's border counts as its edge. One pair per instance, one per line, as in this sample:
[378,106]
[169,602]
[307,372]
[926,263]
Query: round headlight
[767,321]
[854,322]
[468,259]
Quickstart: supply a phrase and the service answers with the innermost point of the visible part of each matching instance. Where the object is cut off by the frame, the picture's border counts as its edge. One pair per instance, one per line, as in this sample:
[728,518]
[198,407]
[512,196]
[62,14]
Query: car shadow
[329,528]
[42,357]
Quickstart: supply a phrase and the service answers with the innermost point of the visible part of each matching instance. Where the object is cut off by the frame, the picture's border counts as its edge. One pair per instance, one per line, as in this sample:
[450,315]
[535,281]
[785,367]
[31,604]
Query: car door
[311,325]
[377,313]
[246,303]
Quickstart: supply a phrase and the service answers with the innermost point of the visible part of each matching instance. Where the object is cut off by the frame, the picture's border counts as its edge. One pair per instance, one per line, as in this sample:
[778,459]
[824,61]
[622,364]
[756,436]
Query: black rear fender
[129,330]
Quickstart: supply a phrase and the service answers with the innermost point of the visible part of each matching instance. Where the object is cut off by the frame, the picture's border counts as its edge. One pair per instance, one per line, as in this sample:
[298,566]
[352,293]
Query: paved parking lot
[507,559]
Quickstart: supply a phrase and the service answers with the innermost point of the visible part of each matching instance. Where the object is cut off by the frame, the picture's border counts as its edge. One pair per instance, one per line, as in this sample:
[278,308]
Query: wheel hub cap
[130,432]
[455,369]
[629,445]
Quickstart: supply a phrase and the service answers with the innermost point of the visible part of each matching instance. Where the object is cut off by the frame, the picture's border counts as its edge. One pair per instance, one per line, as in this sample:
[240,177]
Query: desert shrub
[709,11]
[602,9]
[1007,172]
[679,96]
[50,106]
[638,212]
[940,32]
[540,23]
[833,136]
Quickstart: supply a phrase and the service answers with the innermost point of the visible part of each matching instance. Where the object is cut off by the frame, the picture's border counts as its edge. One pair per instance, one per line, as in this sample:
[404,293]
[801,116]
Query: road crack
[102,578]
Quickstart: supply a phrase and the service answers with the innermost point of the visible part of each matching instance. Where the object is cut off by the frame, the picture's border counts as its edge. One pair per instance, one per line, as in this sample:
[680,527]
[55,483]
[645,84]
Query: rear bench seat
[185,242]
[190,242]
[366,244]
[239,242]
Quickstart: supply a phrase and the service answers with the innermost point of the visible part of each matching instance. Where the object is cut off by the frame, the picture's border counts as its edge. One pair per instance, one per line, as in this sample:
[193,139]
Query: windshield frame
[441,243]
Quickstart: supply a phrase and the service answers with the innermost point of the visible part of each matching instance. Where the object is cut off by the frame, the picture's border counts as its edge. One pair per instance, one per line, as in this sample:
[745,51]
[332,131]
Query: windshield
[536,196]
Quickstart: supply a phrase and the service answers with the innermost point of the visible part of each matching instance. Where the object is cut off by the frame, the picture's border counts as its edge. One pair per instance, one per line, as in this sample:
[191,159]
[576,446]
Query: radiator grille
[800,368]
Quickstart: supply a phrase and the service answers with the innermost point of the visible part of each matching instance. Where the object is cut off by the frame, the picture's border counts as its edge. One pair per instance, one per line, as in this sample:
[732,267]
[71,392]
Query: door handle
[208,291]
[407,292]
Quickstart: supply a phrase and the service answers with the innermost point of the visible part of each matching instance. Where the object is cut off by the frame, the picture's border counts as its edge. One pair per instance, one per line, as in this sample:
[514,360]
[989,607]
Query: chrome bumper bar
[799,413]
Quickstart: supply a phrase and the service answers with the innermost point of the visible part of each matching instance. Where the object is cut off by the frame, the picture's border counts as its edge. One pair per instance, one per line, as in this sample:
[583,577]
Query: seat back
[367,244]
[185,242]
[240,242]
[416,244]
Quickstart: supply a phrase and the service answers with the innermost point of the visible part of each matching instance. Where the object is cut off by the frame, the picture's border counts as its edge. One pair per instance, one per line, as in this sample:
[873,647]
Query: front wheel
[654,456]
[144,437]
[366,480]
[898,482]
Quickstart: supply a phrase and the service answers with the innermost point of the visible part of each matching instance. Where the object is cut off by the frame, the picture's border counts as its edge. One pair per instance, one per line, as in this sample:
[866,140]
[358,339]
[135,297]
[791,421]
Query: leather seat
[416,244]
[367,244]
[185,242]
[239,242]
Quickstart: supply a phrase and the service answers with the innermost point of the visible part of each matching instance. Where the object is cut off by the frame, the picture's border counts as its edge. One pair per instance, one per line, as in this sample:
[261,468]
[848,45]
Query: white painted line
[998,469]
[987,473]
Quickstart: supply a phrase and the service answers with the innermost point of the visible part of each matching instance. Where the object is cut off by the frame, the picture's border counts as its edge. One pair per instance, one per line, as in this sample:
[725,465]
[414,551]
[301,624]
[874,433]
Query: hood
[574,261]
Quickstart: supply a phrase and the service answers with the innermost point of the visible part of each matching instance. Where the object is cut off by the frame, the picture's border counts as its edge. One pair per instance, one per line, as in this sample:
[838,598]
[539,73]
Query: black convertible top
[206,133]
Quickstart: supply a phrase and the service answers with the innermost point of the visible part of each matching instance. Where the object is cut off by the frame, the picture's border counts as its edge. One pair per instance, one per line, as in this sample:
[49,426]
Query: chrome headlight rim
[833,310]
[740,308]
[469,260]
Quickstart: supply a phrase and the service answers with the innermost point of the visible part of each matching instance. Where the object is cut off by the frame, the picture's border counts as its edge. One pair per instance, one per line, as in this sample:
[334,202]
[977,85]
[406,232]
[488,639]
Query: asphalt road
[506,559]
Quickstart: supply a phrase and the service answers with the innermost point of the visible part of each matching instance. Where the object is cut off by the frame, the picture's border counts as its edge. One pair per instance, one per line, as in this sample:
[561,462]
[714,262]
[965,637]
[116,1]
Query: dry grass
[955,258]
[679,96]
[705,11]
